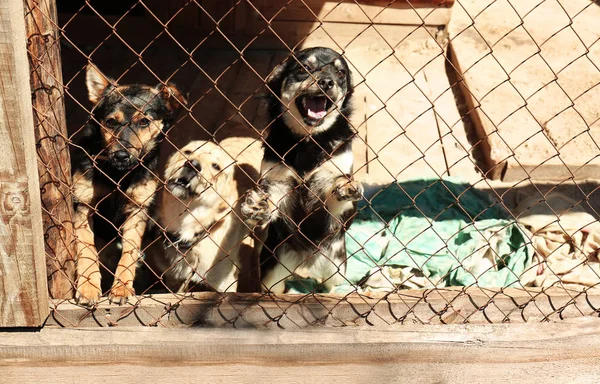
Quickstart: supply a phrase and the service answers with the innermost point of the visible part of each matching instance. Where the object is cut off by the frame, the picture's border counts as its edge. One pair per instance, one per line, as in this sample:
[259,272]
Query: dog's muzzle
[318,100]
[181,185]
[121,160]
[314,107]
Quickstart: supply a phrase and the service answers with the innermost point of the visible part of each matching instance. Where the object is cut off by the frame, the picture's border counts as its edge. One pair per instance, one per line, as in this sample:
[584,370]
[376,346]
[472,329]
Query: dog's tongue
[316,107]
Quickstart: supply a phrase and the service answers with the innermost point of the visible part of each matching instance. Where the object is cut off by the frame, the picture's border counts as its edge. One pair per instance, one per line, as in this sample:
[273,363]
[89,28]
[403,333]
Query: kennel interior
[475,142]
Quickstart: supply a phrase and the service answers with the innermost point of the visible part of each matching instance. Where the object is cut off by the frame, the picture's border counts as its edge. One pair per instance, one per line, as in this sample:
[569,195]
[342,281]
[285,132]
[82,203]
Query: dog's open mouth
[178,187]
[314,108]
[182,186]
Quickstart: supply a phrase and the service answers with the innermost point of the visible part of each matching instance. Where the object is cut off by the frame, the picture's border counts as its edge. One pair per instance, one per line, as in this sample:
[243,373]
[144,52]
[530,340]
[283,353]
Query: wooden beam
[443,306]
[54,164]
[355,12]
[23,288]
[521,353]
[493,168]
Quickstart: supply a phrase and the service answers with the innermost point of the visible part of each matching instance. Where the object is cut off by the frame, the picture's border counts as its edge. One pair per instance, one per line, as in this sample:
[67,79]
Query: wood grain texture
[23,288]
[355,12]
[443,306]
[519,353]
[54,164]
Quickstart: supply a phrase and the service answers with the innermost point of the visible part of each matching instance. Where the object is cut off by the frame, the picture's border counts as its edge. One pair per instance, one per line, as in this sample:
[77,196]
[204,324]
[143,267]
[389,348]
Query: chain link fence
[438,167]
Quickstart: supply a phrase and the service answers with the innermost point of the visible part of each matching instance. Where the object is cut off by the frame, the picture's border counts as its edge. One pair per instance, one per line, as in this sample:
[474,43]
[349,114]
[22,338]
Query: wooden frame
[440,306]
[521,353]
[24,293]
[52,140]
[23,268]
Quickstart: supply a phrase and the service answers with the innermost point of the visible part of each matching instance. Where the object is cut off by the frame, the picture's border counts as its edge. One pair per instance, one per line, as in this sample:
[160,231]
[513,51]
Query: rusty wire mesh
[473,138]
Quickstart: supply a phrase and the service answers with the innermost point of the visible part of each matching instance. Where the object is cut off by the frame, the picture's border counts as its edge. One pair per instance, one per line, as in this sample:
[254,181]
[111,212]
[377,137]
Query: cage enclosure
[473,131]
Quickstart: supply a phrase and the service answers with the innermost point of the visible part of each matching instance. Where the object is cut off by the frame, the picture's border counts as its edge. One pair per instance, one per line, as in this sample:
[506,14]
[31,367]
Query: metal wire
[223,55]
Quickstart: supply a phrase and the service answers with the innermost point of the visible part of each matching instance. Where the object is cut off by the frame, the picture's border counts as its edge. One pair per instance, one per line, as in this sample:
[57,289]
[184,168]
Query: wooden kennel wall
[36,240]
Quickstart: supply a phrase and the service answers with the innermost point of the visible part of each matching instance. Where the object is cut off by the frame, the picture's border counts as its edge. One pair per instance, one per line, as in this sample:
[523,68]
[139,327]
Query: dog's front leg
[88,269]
[141,197]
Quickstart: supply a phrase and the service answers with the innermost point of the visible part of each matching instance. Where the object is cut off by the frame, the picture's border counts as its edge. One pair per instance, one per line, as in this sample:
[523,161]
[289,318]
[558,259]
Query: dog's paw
[88,293]
[120,293]
[256,207]
[350,190]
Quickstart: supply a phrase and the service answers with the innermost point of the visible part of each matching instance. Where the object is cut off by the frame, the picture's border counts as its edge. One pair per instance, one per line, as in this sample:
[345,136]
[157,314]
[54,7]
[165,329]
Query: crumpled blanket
[431,233]
[434,233]
[566,239]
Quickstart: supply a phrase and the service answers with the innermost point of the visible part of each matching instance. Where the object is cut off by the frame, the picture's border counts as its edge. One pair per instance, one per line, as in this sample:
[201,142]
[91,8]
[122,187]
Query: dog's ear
[228,165]
[97,84]
[275,78]
[174,98]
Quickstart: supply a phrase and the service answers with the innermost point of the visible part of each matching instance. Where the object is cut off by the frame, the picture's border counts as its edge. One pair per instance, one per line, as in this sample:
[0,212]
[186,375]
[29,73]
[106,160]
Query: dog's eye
[216,167]
[309,68]
[111,123]
[187,152]
[144,122]
[341,73]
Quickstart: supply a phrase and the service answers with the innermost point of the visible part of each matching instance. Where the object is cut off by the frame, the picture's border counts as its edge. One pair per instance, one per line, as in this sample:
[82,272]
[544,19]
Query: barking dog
[114,167]
[306,193]
[200,213]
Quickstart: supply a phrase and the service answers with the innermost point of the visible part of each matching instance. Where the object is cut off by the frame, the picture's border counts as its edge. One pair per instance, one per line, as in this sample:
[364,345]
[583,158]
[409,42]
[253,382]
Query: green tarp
[436,233]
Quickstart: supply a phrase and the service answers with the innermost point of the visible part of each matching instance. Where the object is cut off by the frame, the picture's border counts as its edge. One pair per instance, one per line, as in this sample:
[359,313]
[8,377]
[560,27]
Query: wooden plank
[442,306]
[523,353]
[24,292]
[532,85]
[354,12]
[280,34]
[54,163]
[452,127]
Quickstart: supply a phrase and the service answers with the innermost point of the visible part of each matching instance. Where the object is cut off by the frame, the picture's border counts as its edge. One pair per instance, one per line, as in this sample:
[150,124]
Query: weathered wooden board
[354,12]
[51,135]
[531,76]
[459,153]
[443,306]
[522,353]
[23,286]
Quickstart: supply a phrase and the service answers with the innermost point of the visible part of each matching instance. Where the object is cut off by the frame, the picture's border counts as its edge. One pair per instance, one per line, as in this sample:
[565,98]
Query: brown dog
[199,213]
[114,176]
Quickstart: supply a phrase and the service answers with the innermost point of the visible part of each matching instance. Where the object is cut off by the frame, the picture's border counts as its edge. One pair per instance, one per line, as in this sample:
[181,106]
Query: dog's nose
[194,164]
[121,156]
[325,84]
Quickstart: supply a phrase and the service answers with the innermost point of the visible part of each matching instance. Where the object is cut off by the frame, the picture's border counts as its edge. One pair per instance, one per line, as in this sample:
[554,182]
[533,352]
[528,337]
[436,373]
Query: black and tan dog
[306,193]
[114,174]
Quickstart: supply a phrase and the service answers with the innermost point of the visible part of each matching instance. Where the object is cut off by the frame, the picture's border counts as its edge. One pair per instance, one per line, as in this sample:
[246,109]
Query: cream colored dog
[199,214]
